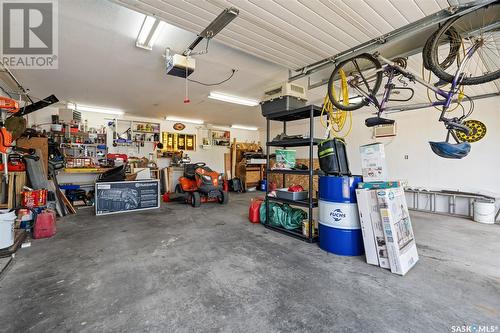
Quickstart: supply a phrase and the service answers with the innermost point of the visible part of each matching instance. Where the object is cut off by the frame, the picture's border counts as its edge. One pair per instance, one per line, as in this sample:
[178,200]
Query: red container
[115,156]
[36,198]
[45,225]
[254,210]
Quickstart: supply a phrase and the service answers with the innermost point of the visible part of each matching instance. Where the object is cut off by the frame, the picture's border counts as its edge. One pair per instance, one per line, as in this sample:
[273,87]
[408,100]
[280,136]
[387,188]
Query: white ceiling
[293,33]
[100,65]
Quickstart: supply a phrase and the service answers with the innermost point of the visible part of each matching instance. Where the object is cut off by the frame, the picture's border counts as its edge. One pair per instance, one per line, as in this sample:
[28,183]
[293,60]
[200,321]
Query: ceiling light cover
[248,128]
[150,30]
[95,109]
[185,120]
[233,99]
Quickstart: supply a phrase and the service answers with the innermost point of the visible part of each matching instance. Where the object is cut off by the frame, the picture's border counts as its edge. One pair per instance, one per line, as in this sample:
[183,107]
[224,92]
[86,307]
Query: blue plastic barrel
[339,228]
[338,189]
[342,242]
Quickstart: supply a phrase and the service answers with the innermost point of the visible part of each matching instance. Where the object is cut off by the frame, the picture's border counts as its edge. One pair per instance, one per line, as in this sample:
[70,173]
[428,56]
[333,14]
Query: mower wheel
[223,198]
[178,189]
[195,199]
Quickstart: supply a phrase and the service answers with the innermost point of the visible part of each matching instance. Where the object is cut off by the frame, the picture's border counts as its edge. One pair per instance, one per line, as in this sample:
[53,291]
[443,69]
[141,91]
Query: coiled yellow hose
[337,119]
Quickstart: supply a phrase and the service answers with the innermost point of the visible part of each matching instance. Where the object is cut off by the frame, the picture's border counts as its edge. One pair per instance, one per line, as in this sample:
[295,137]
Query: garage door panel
[293,32]
[281,14]
[320,23]
[354,17]
[275,25]
[256,33]
[388,12]
[168,11]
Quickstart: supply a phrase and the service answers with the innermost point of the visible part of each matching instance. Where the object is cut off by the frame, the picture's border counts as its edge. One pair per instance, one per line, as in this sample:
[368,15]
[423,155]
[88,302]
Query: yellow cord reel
[477,131]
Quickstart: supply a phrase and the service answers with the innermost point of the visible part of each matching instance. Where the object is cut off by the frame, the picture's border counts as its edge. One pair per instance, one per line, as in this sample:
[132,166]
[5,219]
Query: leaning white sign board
[399,236]
[372,228]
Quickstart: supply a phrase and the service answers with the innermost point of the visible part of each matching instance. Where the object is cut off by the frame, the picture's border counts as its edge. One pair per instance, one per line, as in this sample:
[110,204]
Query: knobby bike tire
[431,56]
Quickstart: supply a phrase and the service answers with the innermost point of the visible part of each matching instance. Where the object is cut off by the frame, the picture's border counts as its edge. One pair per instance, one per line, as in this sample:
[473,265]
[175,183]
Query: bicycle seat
[375,121]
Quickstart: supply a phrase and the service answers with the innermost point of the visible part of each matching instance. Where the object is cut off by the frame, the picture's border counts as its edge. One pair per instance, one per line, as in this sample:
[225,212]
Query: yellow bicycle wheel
[477,131]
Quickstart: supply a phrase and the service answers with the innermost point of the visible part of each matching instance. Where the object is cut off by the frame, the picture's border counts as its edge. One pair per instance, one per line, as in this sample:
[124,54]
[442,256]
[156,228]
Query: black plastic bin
[332,157]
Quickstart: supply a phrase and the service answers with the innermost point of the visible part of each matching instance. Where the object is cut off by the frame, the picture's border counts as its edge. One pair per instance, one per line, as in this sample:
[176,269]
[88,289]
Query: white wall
[478,172]
[214,157]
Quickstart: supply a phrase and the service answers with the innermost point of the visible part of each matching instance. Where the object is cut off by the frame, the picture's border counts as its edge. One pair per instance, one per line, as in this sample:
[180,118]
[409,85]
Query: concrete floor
[181,269]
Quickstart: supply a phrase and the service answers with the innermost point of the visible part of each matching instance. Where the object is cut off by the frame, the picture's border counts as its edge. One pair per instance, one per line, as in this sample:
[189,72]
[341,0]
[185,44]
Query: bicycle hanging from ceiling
[463,51]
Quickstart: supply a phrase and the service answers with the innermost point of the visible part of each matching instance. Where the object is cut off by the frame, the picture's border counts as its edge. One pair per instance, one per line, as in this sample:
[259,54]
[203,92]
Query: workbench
[84,177]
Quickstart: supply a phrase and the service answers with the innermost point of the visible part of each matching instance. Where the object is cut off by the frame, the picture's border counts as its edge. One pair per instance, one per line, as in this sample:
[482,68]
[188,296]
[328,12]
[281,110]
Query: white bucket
[7,220]
[484,212]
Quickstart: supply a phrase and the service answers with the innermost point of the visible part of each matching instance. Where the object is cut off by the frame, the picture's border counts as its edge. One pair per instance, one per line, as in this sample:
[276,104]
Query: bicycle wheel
[477,36]
[362,74]
[446,60]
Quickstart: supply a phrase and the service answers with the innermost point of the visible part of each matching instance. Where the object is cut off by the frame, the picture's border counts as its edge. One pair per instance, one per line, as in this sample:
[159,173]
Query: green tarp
[282,215]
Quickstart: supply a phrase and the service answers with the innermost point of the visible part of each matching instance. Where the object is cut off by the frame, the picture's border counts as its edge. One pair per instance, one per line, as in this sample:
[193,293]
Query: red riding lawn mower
[201,184]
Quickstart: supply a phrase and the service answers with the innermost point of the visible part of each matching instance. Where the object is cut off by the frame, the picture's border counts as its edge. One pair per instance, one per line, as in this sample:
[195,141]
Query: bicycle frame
[391,68]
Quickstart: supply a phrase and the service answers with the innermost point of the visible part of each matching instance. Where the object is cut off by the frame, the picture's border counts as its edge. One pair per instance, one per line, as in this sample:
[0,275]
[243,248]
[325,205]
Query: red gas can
[45,225]
[254,210]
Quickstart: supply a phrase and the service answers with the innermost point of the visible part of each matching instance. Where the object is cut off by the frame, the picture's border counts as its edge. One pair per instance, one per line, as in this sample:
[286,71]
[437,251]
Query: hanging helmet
[450,150]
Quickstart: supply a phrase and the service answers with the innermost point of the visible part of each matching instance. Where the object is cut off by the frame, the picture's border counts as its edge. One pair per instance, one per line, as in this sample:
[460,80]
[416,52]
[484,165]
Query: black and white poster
[126,196]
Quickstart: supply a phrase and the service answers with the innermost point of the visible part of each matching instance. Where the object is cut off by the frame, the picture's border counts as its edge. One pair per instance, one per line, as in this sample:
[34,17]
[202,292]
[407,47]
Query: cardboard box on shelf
[399,236]
[373,164]
[371,228]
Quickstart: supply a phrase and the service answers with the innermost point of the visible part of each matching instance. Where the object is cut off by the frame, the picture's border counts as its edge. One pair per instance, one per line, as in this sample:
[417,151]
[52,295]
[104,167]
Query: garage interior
[244,166]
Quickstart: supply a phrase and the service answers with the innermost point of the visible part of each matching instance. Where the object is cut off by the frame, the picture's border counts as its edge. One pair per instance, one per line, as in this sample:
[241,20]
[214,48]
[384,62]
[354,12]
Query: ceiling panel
[292,33]
[296,33]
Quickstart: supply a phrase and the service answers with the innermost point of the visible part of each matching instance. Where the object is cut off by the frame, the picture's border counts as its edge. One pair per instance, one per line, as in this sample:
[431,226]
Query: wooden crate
[16,182]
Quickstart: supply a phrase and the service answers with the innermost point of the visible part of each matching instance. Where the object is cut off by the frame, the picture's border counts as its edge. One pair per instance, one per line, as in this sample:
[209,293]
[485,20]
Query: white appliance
[384,131]
[178,64]
[284,89]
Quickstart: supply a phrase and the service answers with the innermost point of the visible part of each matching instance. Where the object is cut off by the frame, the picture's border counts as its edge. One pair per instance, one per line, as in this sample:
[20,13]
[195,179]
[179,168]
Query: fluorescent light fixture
[150,30]
[86,108]
[220,22]
[184,120]
[233,99]
[248,128]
